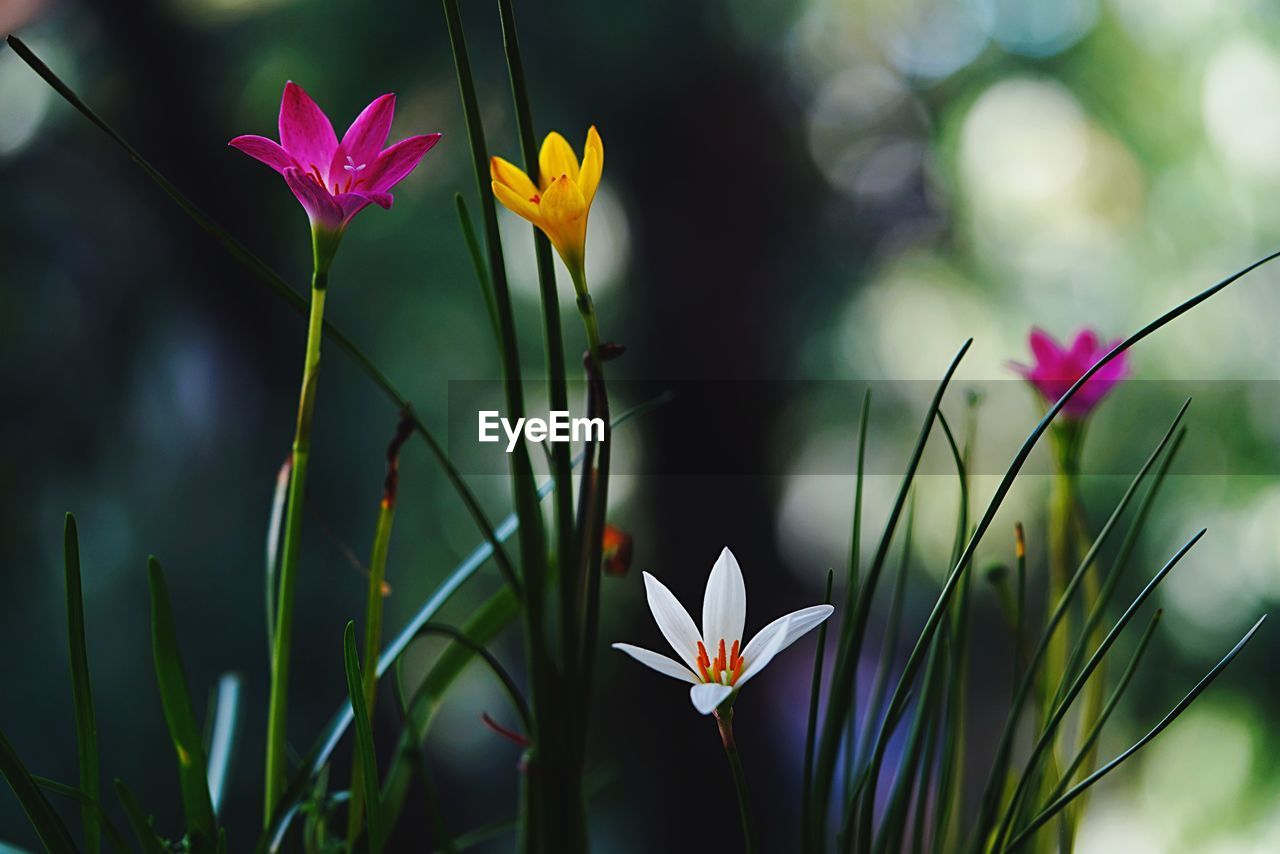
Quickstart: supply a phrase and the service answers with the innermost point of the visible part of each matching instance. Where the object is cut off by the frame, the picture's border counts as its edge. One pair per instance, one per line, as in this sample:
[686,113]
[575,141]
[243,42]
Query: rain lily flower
[715,661]
[1057,368]
[559,203]
[335,180]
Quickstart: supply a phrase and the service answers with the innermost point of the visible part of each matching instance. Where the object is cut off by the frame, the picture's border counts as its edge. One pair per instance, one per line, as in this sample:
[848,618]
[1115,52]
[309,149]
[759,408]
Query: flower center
[724,669]
[353,176]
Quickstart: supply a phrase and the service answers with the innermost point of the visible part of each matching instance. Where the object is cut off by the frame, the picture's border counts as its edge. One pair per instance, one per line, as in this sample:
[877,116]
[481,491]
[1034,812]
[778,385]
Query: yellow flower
[561,200]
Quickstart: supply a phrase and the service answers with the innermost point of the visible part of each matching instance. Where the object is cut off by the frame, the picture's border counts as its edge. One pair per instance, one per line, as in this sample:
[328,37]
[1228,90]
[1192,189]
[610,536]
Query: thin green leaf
[364,737]
[1077,790]
[839,707]
[275,527]
[1060,710]
[180,716]
[47,823]
[81,689]
[113,837]
[477,261]
[139,821]
[811,730]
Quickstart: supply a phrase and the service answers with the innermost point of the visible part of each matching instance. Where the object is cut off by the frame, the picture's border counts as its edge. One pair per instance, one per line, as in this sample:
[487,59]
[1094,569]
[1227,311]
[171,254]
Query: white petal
[673,621]
[779,635]
[724,607]
[658,662]
[708,695]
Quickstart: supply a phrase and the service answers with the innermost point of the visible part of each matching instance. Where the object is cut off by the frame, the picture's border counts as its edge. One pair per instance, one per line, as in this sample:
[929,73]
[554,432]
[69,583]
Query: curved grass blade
[222,742]
[815,694]
[180,716]
[47,823]
[1060,710]
[1054,808]
[477,261]
[275,526]
[364,738]
[82,690]
[839,706]
[279,286]
[109,831]
[139,822]
[478,649]
[1095,732]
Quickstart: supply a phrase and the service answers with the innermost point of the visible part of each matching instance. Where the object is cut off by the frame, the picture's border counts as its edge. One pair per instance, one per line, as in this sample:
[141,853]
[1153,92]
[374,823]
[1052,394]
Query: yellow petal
[592,165]
[513,176]
[517,203]
[564,219]
[556,159]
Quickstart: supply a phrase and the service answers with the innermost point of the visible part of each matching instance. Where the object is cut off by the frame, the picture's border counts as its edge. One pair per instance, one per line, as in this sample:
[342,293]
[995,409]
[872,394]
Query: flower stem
[277,715]
[724,717]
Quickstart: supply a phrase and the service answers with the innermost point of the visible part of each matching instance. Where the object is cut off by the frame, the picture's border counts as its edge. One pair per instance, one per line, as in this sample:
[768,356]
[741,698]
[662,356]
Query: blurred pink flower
[335,180]
[1057,368]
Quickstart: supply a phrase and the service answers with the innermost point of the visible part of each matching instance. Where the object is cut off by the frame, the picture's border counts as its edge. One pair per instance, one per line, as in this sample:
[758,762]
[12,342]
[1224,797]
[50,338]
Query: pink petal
[1043,347]
[1085,348]
[368,133]
[319,205]
[353,203]
[265,150]
[398,161]
[305,131]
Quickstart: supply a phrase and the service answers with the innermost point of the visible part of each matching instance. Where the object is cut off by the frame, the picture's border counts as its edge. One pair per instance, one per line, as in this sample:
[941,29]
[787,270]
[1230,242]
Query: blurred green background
[799,190]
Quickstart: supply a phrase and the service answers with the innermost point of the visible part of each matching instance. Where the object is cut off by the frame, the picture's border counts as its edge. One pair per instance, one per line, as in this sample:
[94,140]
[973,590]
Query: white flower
[715,662]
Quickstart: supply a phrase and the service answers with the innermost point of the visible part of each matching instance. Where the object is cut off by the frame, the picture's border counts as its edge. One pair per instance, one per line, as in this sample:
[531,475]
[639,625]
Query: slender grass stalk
[1045,741]
[477,261]
[82,690]
[364,736]
[1054,808]
[373,608]
[553,339]
[815,694]
[276,772]
[46,822]
[139,822]
[724,720]
[1087,744]
[839,707]
[286,292]
[223,736]
[109,831]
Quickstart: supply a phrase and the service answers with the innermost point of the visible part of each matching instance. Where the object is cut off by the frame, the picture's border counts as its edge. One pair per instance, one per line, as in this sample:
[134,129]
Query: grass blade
[815,693]
[477,261]
[47,823]
[139,821]
[1054,808]
[109,831]
[1060,710]
[222,742]
[82,689]
[364,738]
[180,716]
[275,527]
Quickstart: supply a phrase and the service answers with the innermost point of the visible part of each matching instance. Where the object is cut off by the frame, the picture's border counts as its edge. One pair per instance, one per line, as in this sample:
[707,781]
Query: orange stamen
[733,655]
[704,661]
[735,672]
[721,662]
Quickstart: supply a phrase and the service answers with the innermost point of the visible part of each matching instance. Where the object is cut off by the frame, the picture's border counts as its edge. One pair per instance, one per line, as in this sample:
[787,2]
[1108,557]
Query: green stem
[724,718]
[372,643]
[277,715]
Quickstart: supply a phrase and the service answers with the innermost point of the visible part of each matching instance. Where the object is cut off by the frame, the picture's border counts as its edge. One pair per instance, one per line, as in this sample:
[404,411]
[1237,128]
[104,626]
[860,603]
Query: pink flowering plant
[896,768]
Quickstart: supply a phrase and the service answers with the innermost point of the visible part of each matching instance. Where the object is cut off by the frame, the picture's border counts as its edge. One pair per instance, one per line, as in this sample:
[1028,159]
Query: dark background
[793,191]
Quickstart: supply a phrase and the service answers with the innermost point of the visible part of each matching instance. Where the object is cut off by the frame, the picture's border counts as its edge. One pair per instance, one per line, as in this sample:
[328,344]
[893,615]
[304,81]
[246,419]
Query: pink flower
[1057,368]
[335,180]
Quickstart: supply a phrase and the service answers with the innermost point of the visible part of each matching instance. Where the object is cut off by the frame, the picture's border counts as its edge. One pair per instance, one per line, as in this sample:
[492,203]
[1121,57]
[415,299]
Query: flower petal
[516,203]
[265,150]
[673,621]
[305,131]
[658,662]
[1044,348]
[319,205]
[363,141]
[708,696]
[398,161]
[724,606]
[779,635]
[505,172]
[555,159]
[564,218]
[592,165]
